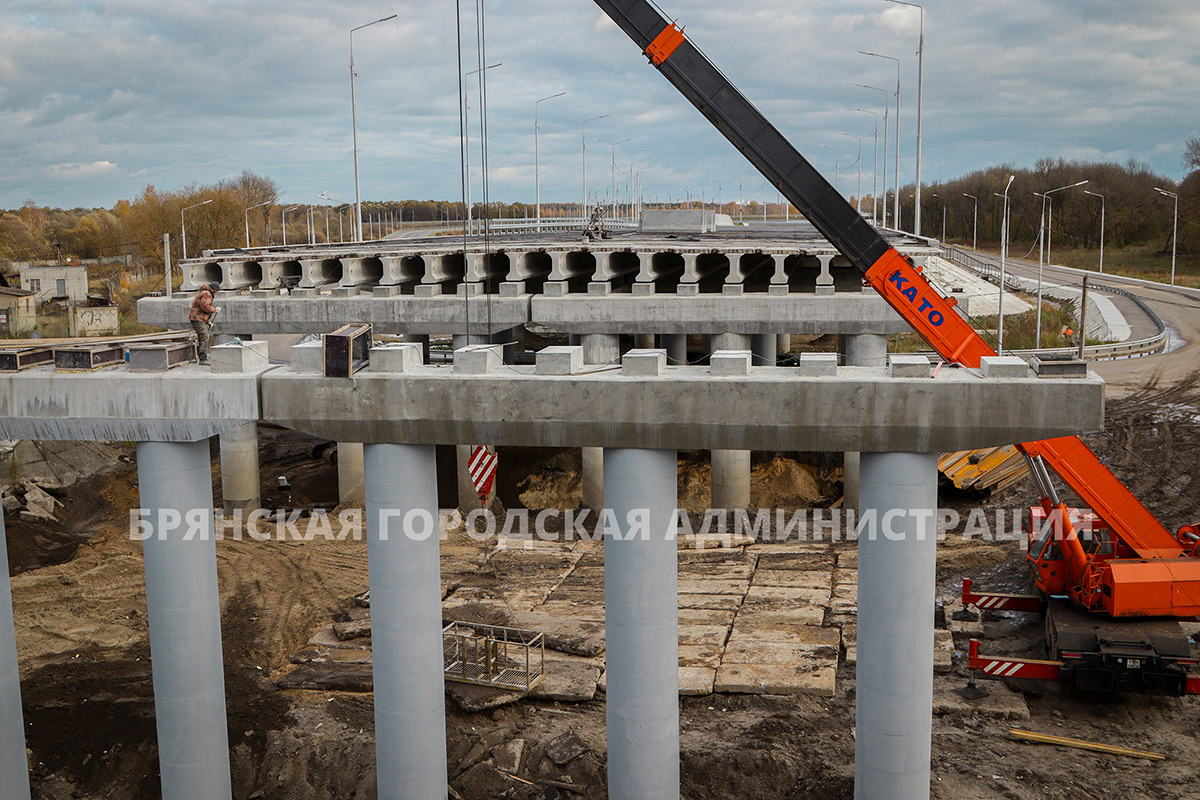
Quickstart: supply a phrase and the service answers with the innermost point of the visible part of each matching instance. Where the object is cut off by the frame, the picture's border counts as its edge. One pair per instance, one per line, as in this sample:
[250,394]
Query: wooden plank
[1079,744]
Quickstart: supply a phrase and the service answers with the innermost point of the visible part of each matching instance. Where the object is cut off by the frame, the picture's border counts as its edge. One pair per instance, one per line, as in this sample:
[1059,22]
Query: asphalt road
[1178,308]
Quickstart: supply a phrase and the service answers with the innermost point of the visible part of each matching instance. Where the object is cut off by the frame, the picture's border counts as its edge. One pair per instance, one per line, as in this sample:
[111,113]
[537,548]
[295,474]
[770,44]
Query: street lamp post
[354,128]
[283,221]
[836,182]
[1102,204]
[583,209]
[1003,265]
[896,209]
[537,172]
[1175,232]
[883,206]
[975,228]
[858,204]
[247,216]
[613,145]
[935,194]
[1046,236]
[466,143]
[739,180]
[920,84]
[183,229]
[874,169]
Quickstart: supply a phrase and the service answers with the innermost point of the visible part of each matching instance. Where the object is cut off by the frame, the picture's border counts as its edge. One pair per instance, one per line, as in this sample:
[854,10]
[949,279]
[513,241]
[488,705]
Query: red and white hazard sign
[482,467]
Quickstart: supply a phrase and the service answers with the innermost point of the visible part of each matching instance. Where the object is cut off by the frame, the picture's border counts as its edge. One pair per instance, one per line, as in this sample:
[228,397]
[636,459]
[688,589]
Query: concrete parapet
[684,408]
[729,363]
[244,357]
[559,360]
[1003,367]
[400,357]
[815,365]
[1058,367]
[478,359]
[644,363]
[907,366]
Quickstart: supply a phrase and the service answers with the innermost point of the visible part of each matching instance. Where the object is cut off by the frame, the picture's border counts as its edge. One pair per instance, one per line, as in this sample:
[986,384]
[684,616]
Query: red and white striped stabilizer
[995,601]
[1000,667]
[482,467]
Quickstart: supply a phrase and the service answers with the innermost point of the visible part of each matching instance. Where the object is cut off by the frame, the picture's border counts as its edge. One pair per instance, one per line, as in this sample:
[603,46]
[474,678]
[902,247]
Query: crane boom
[1099,584]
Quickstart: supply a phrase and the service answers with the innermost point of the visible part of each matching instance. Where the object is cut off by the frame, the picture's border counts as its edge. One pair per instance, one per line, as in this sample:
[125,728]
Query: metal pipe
[406,620]
[896,566]
[184,610]
[641,625]
[14,768]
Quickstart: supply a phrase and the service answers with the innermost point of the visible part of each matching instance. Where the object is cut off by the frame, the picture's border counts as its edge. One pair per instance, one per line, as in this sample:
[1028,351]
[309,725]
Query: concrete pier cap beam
[685,408]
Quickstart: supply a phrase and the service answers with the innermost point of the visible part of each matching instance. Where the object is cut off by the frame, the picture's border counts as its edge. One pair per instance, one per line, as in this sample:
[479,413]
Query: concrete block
[469,289]
[512,288]
[812,676]
[386,291]
[722,602]
[696,681]
[803,637]
[703,635]
[818,365]
[778,289]
[745,651]
[644,363]
[729,363]
[1058,367]
[1001,703]
[555,288]
[763,617]
[560,360]
[399,357]
[308,357]
[687,289]
[1003,367]
[642,289]
[478,359]
[698,655]
[713,586]
[242,357]
[733,289]
[344,291]
[808,579]
[905,366]
[427,290]
[599,288]
[825,290]
[943,651]
[788,595]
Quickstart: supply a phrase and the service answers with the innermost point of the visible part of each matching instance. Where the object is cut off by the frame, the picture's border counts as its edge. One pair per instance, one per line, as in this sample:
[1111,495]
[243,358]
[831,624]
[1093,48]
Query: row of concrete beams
[431,267]
[269,313]
[641,413]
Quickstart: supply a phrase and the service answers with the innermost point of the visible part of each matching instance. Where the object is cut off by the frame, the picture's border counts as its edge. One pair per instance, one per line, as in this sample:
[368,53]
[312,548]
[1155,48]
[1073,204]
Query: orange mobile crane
[1128,566]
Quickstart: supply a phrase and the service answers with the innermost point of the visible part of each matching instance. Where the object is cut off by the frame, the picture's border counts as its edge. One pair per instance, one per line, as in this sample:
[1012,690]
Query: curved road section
[1178,307]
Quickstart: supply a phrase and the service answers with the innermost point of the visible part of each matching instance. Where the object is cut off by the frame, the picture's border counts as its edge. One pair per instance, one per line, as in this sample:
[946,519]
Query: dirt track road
[1179,308]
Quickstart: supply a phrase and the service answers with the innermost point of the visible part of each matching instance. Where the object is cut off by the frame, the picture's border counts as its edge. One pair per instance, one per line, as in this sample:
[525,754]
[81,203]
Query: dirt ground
[80,615]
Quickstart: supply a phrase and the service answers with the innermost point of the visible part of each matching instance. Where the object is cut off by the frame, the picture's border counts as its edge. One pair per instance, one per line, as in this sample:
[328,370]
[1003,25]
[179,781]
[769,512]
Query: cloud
[91,169]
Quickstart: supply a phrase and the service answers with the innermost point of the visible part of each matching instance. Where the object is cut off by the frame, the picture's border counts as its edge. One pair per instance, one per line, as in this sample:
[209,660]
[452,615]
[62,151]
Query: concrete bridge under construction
[630,410]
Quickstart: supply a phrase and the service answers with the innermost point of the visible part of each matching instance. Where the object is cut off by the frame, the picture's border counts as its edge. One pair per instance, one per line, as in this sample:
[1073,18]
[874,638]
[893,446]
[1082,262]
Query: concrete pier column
[896,569]
[462,340]
[601,348]
[14,769]
[783,343]
[598,349]
[513,340]
[764,347]
[730,468]
[641,630]
[421,339]
[350,472]
[184,611]
[643,341]
[676,346]
[406,620]
[858,350]
[240,486]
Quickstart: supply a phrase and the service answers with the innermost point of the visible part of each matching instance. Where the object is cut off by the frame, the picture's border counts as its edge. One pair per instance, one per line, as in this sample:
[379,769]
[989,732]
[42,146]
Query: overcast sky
[99,99]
